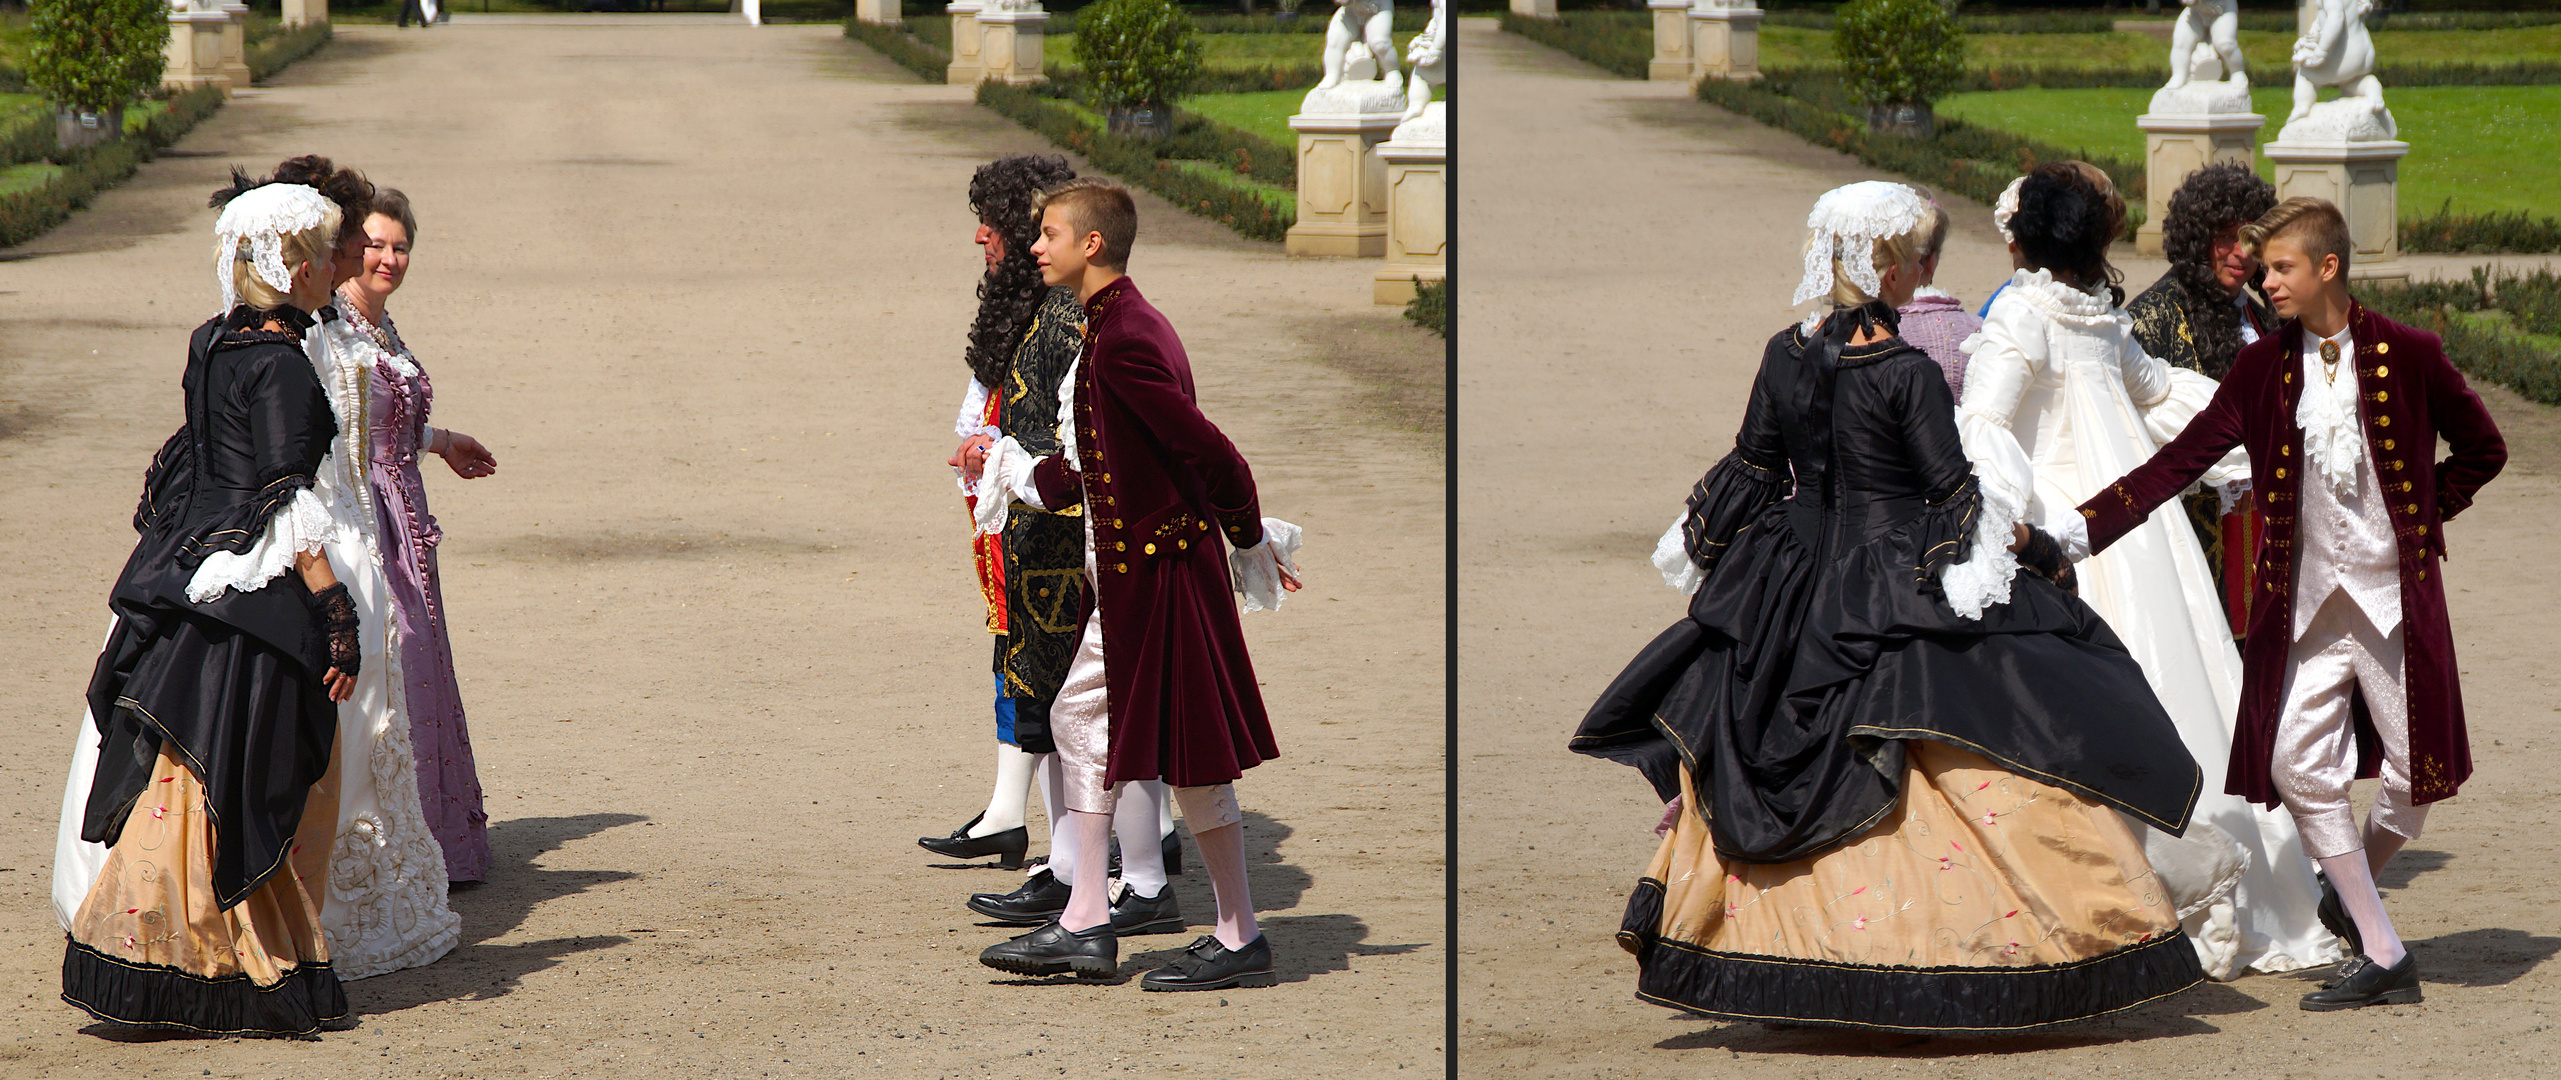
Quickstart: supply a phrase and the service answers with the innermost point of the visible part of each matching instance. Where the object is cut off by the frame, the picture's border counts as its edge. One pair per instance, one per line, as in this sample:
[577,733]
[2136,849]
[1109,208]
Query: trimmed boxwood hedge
[902,48]
[2473,341]
[1142,163]
[88,171]
[276,51]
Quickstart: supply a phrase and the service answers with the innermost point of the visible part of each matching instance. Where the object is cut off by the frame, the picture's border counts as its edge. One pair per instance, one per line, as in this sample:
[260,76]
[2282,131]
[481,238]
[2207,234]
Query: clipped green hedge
[2026,22]
[1199,138]
[1604,39]
[2448,232]
[1238,207]
[27,138]
[279,50]
[902,48]
[2474,341]
[88,171]
[1429,308]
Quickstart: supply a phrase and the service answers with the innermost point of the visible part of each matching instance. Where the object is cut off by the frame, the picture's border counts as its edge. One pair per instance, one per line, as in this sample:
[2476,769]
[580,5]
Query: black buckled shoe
[1008,846]
[2334,917]
[2363,982]
[1055,950]
[1208,965]
[1159,914]
[1043,897]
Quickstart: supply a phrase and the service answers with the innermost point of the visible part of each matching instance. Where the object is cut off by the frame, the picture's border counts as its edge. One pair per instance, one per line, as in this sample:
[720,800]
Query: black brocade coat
[1820,639]
[1044,550]
[233,683]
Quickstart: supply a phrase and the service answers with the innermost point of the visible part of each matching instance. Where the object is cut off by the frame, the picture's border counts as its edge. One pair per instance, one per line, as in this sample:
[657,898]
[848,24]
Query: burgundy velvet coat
[2407,396]
[1167,493]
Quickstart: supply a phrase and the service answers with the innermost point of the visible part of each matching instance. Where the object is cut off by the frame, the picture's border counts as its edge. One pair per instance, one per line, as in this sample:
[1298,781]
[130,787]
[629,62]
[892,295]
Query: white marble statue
[2337,51]
[1358,38]
[1428,55]
[2213,24]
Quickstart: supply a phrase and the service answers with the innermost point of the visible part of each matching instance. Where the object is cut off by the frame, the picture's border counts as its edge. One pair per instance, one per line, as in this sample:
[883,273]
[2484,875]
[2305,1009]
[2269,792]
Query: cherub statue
[1361,24]
[1426,54]
[2338,52]
[2217,22]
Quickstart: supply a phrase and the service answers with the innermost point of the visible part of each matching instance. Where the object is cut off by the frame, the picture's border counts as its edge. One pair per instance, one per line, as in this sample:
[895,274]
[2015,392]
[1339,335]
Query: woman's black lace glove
[336,611]
[2044,555]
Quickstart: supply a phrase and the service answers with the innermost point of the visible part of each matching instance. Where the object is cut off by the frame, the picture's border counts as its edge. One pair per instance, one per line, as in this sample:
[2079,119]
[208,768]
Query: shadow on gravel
[2408,865]
[477,971]
[2484,957]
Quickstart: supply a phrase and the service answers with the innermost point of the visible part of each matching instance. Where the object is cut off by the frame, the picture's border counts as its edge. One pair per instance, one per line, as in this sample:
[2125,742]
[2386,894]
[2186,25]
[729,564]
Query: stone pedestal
[1009,46]
[194,55]
[235,41]
[1417,162]
[1725,42]
[885,12]
[2175,146]
[1672,56]
[1535,9]
[1342,184]
[301,12]
[966,68]
[2363,180]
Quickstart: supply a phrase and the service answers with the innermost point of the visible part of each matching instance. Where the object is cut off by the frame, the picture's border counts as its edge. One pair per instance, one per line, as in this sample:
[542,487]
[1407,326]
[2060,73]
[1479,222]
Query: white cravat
[2333,446]
[2344,539]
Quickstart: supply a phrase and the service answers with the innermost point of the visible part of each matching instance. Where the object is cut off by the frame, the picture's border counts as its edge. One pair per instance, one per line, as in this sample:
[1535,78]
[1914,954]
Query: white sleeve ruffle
[971,419]
[1006,479]
[1997,370]
[1257,569]
[1983,578]
[1672,557]
[303,524]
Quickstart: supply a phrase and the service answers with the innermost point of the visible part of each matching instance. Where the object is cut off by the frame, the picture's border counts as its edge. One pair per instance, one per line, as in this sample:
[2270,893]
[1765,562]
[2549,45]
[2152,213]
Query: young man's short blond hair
[2314,225]
[1098,205]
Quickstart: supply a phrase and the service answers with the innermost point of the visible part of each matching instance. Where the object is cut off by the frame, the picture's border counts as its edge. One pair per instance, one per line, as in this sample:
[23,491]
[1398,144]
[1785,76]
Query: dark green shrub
[279,50]
[1138,162]
[1898,52]
[2446,231]
[903,48]
[1614,41]
[88,171]
[1137,53]
[1429,308]
[95,56]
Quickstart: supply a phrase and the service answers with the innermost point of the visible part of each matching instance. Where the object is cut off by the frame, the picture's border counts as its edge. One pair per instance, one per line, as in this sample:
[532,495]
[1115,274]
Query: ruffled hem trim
[302,524]
[1911,1000]
[121,992]
[2061,302]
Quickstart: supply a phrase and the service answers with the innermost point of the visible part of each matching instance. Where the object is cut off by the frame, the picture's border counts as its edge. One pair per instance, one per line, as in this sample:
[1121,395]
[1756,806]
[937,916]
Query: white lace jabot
[2332,441]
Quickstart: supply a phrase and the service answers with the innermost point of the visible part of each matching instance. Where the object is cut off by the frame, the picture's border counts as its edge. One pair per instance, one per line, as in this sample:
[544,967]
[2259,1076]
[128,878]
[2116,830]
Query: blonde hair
[1931,233]
[2315,225]
[299,248]
[1887,252]
[1097,204]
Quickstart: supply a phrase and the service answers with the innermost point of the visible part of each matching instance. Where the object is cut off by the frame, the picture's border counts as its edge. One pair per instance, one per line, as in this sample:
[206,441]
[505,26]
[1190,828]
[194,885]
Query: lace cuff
[1672,557]
[972,419]
[1257,569]
[301,524]
[1008,477]
[1982,579]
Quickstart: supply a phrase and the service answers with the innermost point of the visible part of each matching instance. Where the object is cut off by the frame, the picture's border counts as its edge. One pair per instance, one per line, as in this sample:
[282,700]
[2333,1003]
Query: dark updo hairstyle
[2069,212]
[1004,193]
[346,187]
[2212,200]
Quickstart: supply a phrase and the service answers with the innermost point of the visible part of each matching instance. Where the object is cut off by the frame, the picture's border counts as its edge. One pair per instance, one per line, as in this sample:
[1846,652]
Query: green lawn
[2485,147]
[1266,114]
[27,177]
[2267,55]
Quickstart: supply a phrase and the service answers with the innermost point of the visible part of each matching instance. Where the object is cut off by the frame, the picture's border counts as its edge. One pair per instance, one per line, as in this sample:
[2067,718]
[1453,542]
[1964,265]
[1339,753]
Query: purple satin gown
[448,780]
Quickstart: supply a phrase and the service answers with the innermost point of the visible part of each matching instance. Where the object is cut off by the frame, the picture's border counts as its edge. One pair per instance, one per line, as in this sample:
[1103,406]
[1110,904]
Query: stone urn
[1910,119]
[75,130]
[1143,122]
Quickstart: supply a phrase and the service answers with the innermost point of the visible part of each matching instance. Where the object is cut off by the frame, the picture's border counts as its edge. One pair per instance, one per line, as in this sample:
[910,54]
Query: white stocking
[2355,883]
[1136,820]
[1062,840]
[1013,789]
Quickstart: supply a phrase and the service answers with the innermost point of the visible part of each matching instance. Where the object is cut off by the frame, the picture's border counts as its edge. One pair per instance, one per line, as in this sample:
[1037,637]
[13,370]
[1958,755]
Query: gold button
[1116,523]
[1120,545]
[2411,508]
[2280,472]
[2383,421]
[2382,370]
[1123,568]
[2397,466]
[1151,549]
[2387,444]
[1186,545]
[2405,485]
[1204,526]
[2383,346]
[2423,530]
[2285,451]
[2288,377]
[2382,396]
[1107,478]
[1044,592]
[2423,573]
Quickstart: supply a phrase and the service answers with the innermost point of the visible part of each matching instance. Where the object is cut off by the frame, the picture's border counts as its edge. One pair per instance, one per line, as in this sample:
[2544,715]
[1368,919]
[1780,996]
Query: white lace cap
[2007,208]
[259,219]
[1846,224]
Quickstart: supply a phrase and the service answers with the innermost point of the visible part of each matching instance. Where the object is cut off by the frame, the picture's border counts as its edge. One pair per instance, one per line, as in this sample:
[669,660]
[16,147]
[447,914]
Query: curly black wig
[346,187]
[1001,194]
[2068,215]
[2215,199]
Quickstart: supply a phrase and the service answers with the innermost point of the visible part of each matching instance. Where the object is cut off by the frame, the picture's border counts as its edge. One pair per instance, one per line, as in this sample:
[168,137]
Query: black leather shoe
[1208,965]
[2334,917]
[1158,914]
[1008,846]
[1043,897]
[2363,982]
[1054,950]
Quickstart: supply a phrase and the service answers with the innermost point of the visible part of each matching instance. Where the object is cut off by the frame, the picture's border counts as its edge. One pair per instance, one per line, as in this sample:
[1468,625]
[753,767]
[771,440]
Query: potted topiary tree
[91,58]
[1897,56]
[1139,56]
